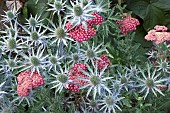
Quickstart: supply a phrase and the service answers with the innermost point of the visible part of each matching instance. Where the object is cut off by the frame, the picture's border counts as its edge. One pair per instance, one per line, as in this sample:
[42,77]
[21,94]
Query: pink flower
[28,81]
[81,34]
[158,35]
[104,62]
[128,24]
[76,76]
[160,28]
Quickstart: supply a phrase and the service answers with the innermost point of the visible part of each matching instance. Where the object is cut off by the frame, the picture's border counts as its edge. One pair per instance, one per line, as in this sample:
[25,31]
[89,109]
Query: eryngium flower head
[33,22]
[79,13]
[57,6]
[150,81]
[61,79]
[96,81]
[35,60]
[109,103]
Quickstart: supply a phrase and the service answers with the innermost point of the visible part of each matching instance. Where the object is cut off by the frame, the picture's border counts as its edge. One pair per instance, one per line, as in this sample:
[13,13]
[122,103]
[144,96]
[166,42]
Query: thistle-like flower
[92,105]
[12,63]
[77,56]
[35,60]
[133,70]
[79,13]
[10,41]
[33,22]
[9,16]
[163,66]
[150,81]
[54,61]
[36,37]
[61,79]
[57,6]
[96,81]
[109,103]
[124,79]
[152,54]
[91,53]
[59,33]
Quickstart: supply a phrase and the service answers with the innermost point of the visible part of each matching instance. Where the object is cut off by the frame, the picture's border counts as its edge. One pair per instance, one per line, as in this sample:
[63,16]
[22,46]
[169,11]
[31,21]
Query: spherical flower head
[34,35]
[128,24]
[32,22]
[10,14]
[60,33]
[11,43]
[34,61]
[104,62]
[77,9]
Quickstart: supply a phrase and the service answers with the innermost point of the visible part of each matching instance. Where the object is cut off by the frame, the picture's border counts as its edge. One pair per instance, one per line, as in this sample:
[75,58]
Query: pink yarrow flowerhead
[104,62]
[76,76]
[128,24]
[158,35]
[28,81]
[80,33]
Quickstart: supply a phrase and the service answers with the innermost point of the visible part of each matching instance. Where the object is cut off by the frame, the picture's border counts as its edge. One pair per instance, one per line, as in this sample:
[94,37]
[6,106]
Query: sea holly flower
[75,57]
[36,37]
[35,60]
[163,65]
[57,6]
[110,103]
[96,81]
[150,81]
[33,22]
[61,79]
[133,70]
[10,42]
[152,54]
[10,31]
[12,63]
[9,16]
[91,53]
[79,13]
[124,79]
[92,105]
[59,32]
[54,61]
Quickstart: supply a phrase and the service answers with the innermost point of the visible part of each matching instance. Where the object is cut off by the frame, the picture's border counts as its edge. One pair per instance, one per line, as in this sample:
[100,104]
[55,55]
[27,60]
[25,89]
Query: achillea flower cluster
[28,81]
[128,24]
[104,62]
[80,33]
[158,35]
[76,76]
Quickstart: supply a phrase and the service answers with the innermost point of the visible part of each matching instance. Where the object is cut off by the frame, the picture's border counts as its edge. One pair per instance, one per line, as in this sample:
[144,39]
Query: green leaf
[138,7]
